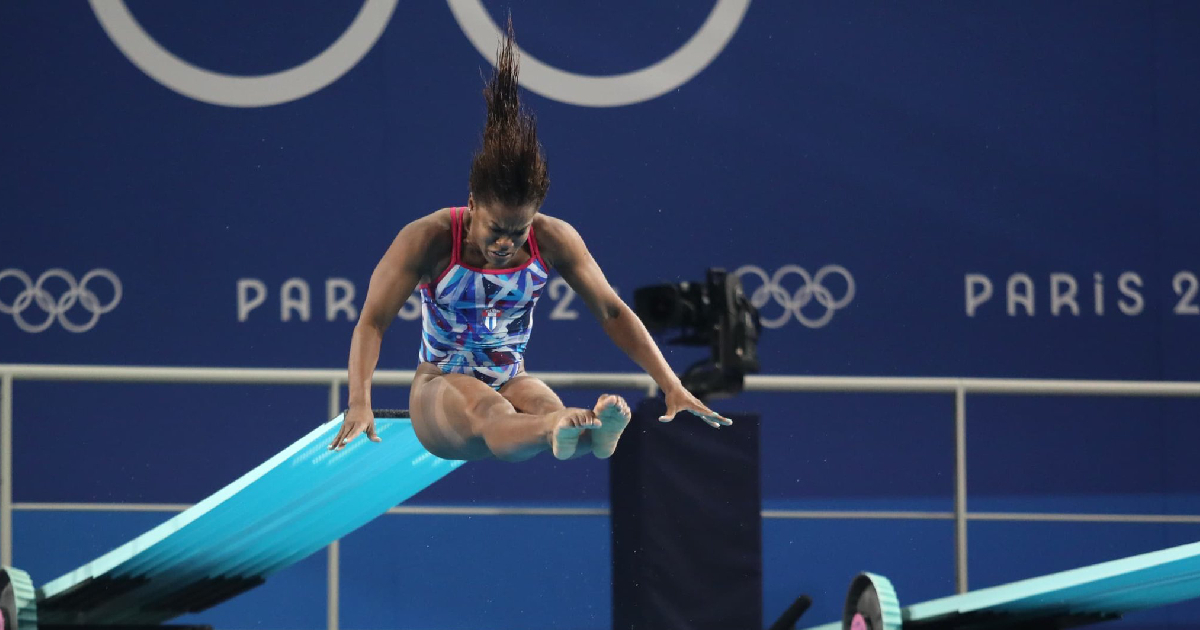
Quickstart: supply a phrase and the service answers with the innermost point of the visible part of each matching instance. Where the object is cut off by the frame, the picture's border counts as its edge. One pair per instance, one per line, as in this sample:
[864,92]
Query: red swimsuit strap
[456,235]
[533,248]
[456,221]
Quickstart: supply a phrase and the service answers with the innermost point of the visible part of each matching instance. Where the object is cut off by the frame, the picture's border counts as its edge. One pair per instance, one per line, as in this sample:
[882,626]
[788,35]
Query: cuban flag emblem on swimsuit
[490,317]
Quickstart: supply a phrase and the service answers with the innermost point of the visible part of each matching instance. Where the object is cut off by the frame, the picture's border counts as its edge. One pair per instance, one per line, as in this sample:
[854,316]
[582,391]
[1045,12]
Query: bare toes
[584,419]
[612,401]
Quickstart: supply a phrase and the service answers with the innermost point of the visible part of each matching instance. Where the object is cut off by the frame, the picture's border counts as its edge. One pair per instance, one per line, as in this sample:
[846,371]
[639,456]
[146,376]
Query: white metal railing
[335,379]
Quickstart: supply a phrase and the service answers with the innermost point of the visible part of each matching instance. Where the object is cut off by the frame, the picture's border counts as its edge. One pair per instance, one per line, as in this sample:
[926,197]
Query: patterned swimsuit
[477,321]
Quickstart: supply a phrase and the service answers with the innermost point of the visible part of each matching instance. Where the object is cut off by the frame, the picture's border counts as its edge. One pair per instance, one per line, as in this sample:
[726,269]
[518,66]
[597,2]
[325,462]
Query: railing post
[335,399]
[6,468]
[333,552]
[334,558]
[960,488]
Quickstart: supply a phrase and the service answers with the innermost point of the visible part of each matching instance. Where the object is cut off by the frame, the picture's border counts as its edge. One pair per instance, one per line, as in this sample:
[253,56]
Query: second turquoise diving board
[291,506]
[1093,593]
[1106,589]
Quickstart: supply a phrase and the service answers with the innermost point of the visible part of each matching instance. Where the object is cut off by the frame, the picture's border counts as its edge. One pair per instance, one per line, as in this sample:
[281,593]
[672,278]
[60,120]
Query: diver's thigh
[448,410]
[530,395]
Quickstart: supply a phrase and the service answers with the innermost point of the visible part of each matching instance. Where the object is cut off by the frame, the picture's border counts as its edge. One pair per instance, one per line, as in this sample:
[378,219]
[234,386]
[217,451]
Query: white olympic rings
[243,91]
[35,293]
[792,302]
[615,90]
[281,87]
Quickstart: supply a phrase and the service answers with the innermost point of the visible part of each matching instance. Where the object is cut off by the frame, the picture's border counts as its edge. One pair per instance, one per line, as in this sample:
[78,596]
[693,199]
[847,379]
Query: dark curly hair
[510,166]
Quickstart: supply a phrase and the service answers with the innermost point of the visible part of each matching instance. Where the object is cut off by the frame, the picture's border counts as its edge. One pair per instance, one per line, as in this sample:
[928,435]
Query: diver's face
[500,231]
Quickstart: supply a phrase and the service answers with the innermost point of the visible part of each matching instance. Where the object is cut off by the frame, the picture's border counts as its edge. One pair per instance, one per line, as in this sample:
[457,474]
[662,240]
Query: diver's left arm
[563,248]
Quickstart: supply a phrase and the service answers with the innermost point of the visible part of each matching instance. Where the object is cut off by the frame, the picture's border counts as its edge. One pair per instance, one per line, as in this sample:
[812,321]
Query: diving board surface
[1096,592]
[291,506]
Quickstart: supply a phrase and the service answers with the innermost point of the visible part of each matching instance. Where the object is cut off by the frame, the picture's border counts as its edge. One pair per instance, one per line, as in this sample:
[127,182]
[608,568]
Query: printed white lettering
[979,290]
[1024,298]
[1123,283]
[247,302]
[1058,298]
[339,298]
[293,296]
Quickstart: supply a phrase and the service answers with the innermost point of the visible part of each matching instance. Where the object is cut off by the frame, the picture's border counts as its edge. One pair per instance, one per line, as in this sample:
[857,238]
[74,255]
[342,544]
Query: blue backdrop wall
[984,189]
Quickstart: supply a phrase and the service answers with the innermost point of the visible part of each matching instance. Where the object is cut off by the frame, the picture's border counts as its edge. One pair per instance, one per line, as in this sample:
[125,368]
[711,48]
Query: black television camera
[715,313]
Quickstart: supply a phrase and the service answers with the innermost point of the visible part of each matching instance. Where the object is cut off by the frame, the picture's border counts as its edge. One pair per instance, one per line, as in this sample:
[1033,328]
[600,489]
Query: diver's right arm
[392,282]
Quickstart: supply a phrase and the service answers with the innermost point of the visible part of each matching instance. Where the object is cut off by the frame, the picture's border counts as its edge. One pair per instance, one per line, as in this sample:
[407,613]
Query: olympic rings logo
[811,289]
[288,85]
[76,293]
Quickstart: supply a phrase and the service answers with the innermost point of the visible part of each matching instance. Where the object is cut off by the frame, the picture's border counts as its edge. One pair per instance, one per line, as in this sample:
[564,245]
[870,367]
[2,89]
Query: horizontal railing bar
[1080,388]
[1085,518]
[450,510]
[100,507]
[146,374]
[887,384]
[881,384]
[855,515]
[618,380]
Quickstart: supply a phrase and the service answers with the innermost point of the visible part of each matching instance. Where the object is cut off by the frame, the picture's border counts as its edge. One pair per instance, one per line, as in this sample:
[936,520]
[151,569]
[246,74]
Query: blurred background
[982,189]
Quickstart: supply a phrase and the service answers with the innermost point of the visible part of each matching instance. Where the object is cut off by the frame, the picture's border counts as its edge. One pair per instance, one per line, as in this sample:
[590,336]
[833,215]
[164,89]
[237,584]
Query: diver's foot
[571,424]
[613,414]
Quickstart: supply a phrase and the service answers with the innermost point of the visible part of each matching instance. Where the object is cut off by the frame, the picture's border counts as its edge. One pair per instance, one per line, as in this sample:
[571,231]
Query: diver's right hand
[357,420]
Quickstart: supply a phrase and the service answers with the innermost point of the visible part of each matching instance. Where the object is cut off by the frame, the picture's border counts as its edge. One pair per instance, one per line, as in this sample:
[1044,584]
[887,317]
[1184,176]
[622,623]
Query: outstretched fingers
[712,418]
[347,435]
[337,439]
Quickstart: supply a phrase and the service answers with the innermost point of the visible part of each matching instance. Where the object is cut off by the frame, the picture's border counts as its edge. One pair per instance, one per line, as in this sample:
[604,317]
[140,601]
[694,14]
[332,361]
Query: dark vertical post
[686,524]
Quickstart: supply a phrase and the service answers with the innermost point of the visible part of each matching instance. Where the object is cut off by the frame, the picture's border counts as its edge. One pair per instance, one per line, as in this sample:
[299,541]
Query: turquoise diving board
[291,506]
[1092,593]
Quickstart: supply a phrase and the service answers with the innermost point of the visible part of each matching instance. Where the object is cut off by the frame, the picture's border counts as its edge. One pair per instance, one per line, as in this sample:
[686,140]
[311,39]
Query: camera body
[714,313]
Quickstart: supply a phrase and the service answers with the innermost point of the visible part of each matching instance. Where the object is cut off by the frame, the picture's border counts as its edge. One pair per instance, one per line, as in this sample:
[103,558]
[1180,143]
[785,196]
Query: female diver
[480,270]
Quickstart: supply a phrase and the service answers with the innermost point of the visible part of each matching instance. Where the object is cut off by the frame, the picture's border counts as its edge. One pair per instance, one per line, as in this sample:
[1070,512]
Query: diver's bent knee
[487,409]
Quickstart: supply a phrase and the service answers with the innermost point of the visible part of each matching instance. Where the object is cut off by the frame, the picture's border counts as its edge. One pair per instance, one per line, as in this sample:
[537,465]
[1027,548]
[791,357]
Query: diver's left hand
[358,420]
[680,399]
